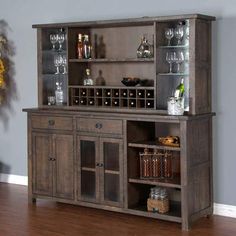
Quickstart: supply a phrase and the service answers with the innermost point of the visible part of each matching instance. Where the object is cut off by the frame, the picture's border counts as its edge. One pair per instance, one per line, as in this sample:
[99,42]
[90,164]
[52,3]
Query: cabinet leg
[186,226]
[32,200]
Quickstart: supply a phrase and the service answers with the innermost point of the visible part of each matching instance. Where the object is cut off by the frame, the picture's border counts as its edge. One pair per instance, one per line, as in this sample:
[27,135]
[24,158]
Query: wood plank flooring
[18,218]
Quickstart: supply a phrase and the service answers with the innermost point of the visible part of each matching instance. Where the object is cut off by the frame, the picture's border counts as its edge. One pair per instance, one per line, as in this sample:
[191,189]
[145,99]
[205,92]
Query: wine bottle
[80,47]
[179,91]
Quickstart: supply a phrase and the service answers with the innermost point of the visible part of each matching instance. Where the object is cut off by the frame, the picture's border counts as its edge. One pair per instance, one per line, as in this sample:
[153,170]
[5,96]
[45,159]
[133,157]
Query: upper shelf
[111,60]
[175,46]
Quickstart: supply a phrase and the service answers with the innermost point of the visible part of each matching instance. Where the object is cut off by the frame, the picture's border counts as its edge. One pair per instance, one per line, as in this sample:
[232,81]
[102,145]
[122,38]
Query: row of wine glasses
[57,38]
[60,60]
[177,32]
[175,57]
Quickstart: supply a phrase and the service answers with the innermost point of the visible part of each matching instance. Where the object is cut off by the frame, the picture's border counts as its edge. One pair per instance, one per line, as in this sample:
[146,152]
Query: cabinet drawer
[52,122]
[100,125]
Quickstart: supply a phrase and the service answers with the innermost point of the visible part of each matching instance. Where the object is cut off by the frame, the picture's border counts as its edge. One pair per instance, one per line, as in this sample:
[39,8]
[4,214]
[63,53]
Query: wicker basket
[160,206]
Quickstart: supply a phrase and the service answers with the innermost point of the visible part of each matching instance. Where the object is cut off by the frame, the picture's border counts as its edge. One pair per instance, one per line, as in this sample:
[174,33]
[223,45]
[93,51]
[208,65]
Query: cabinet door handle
[97,164]
[52,159]
[98,125]
[101,165]
[51,122]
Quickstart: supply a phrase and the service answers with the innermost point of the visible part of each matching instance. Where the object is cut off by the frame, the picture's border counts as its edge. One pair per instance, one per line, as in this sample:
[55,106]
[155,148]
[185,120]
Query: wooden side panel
[42,168]
[199,166]
[200,66]
[63,166]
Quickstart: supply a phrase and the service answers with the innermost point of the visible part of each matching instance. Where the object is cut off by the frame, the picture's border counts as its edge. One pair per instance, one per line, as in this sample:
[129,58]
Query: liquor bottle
[91,101]
[83,101]
[140,94]
[88,79]
[86,47]
[79,47]
[107,102]
[59,94]
[124,94]
[108,93]
[179,91]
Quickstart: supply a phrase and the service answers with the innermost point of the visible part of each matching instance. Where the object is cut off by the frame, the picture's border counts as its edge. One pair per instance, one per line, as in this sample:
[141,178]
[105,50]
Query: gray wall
[21,14]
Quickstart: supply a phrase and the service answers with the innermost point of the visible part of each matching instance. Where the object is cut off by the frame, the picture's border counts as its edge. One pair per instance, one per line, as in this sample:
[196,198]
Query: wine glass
[61,39]
[63,63]
[179,32]
[179,59]
[170,57]
[57,63]
[169,34]
[53,40]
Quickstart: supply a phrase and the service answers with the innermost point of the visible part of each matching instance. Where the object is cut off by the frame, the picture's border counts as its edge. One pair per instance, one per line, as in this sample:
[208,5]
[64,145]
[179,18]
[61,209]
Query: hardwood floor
[18,218]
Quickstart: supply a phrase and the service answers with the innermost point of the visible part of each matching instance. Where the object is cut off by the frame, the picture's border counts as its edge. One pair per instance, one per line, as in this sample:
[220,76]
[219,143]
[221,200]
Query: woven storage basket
[160,206]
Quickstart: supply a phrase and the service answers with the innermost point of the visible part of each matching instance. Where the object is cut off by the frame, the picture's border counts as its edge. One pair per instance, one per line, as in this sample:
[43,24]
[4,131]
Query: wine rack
[113,97]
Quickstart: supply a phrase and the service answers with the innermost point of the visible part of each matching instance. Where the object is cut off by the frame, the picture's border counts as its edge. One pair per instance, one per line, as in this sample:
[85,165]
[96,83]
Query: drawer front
[51,122]
[100,125]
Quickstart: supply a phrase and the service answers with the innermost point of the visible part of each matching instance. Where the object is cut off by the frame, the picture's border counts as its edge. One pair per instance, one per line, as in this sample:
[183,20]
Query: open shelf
[152,145]
[111,60]
[173,215]
[173,74]
[168,183]
[175,46]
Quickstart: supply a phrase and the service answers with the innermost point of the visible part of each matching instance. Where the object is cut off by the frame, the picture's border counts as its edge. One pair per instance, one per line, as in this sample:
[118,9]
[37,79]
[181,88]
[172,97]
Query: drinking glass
[169,34]
[61,39]
[179,32]
[57,63]
[63,63]
[170,57]
[179,59]
[53,40]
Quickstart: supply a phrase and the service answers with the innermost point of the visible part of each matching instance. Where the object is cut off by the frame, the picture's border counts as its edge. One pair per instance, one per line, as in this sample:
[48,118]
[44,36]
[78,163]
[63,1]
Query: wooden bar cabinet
[86,150]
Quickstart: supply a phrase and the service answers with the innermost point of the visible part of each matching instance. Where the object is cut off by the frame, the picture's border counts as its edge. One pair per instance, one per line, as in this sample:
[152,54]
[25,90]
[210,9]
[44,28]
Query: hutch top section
[128,65]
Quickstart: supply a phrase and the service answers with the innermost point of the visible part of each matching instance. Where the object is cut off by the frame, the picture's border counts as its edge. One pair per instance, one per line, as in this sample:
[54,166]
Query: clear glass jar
[145,50]
[175,106]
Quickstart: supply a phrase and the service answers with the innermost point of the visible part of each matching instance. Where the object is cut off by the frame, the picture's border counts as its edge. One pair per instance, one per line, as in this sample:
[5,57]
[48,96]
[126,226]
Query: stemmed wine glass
[179,33]
[179,59]
[169,34]
[170,57]
[63,63]
[61,39]
[57,63]
[53,40]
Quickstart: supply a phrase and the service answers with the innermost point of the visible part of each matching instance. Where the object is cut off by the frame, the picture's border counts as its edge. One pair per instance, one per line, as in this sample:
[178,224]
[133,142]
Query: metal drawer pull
[98,125]
[52,159]
[51,122]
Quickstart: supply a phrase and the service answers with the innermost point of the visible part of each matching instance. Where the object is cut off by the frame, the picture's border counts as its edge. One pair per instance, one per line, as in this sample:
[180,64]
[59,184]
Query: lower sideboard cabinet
[93,159]
[52,165]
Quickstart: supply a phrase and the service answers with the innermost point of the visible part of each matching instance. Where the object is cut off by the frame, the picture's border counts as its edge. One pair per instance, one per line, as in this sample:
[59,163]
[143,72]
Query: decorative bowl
[130,81]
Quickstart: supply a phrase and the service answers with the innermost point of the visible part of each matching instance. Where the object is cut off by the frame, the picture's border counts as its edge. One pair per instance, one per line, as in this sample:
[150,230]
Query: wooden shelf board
[173,215]
[153,145]
[88,169]
[113,172]
[169,183]
[111,60]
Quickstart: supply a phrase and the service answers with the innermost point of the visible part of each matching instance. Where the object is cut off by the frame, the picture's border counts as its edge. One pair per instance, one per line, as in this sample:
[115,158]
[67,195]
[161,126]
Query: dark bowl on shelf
[130,81]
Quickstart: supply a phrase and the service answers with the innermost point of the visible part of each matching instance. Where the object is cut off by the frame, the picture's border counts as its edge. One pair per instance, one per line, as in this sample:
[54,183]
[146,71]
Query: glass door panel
[111,187]
[111,156]
[88,184]
[88,173]
[87,153]
[112,172]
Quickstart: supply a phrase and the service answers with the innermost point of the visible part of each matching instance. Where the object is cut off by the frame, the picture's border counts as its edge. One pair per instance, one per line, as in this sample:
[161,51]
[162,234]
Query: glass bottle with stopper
[79,47]
[88,79]
[59,94]
[145,50]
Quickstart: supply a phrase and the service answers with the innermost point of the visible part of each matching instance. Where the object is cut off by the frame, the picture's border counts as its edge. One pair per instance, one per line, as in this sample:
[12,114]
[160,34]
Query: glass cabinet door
[87,168]
[112,171]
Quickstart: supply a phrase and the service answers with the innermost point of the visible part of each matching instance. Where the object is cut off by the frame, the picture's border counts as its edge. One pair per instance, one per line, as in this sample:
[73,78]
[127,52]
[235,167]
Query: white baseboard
[219,209]
[14,179]
[224,210]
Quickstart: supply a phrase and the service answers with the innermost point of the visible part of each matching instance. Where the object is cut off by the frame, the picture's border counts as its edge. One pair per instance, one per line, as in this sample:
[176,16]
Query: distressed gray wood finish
[192,191]
[56,134]
[122,38]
